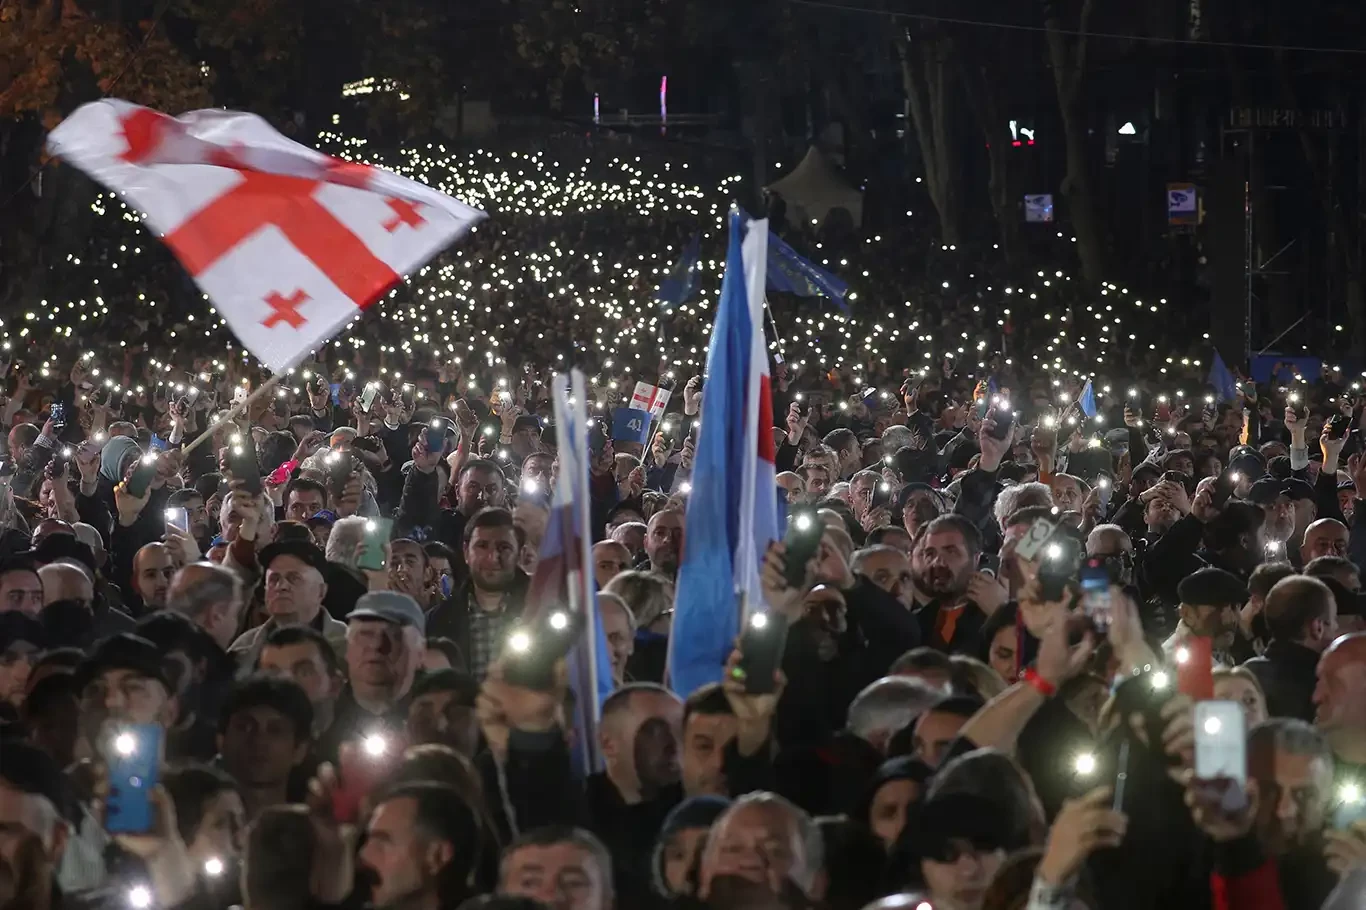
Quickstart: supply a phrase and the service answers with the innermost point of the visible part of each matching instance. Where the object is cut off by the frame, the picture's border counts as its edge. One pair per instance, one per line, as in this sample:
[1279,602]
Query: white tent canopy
[815,189]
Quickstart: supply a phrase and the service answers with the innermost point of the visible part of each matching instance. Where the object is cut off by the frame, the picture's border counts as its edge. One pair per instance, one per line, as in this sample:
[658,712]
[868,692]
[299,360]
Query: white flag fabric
[290,244]
[650,398]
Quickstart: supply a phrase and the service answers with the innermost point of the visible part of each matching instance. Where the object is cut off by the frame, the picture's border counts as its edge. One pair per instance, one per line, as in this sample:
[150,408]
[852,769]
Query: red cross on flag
[650,398]
[289,244]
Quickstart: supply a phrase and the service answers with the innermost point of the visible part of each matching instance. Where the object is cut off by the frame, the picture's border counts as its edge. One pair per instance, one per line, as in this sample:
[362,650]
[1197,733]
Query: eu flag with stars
[683,280]
[789,273]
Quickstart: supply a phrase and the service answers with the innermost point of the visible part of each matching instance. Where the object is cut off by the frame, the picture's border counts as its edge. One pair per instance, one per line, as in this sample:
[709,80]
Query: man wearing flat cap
[1210,600]
[294,571]
[386,637]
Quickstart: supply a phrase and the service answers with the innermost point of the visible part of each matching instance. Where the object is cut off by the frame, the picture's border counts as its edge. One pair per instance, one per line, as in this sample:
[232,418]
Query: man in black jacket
[480,611]
[1301,615]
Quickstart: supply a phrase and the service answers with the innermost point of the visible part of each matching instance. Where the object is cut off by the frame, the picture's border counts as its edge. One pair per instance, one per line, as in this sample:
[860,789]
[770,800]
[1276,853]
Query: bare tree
[927,74]
[1067,49]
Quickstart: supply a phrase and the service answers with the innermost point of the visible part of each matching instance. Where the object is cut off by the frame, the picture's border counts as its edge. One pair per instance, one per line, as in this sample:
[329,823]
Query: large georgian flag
[289,244]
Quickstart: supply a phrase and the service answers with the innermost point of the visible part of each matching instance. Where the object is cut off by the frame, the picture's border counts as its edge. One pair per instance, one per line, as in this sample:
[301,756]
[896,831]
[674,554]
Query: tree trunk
[1067,54]
[925,76]
[982,86]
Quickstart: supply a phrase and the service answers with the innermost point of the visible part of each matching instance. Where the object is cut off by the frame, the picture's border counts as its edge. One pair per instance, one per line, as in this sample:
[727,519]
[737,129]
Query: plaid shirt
[487,628]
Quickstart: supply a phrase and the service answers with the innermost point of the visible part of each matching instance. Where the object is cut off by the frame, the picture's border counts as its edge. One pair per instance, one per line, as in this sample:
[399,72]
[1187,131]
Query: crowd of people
[253,637]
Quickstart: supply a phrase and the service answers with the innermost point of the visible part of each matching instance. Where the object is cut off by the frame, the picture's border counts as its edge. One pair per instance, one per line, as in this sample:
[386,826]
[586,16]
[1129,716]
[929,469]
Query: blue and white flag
[733,508]
[564,573]
[683,279]
[789,273]
[1087,400]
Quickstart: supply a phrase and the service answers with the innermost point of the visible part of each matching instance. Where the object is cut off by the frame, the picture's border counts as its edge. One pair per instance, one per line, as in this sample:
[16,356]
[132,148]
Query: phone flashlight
[1182,655]
[1053,551]
[685,487]
[1209,399]
[125,744]
[1213,725]
[213,867]
[559,620]
[1159,680]
[139,897]
[1084,764]
[519,642]
[1349,793]
[530,486]
[1236,477]
[375,745]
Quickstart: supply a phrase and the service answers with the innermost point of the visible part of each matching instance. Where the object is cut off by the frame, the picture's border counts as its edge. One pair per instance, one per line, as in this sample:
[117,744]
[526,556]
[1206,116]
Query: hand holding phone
[802,541]
[535,647]
[376,537]
[133,759]
[761,652]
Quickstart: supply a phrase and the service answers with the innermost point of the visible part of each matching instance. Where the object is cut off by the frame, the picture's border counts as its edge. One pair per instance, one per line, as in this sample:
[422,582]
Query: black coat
[1287,672]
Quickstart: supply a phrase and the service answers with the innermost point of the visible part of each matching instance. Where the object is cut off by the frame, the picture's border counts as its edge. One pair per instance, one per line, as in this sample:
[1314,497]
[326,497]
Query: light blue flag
[1087,400]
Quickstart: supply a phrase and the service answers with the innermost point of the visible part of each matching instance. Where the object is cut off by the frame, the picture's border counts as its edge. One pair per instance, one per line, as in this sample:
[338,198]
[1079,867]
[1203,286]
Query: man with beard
[153,570]
[479,485]
[1275,497]
[664,542]
[946,563]
[480,611]
[1293,768]
[385,641]
[1210,600]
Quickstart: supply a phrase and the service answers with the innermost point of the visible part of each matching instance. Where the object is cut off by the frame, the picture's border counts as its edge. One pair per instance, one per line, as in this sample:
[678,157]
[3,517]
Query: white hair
[889,704]
[347,533]
[620,602]
[1012,499]
[812,861]
[896,437]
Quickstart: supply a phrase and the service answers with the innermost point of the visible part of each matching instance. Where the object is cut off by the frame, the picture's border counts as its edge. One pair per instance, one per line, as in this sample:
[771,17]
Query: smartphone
[761,652]
[1104,489]
[376,536]
[1220,741]
[1145,694]
[60,459]
[133,758]
[1004,418]
[367,398]
[882,495]
[243,467]
[1350,806]
[1032,544]
[802,540]
[141,478]
[179,520]
[1095,593]
[533,648]
[1224,486]
[58,415]
[338,472]
[362,765]
[436,435]
[1195,667]
[1337,425]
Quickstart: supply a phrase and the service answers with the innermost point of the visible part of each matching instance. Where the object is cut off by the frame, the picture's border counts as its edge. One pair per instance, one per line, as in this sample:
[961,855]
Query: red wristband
[1045,688]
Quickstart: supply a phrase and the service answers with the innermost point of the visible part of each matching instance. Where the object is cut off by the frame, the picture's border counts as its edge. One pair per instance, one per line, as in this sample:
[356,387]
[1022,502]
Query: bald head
[63,581]
[152,571]
[1325,537]
[211,596]
[1108,540]
[1340,697]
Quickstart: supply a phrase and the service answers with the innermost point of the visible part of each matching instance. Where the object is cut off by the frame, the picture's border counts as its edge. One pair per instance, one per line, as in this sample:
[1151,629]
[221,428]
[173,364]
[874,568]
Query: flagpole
[235,410]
